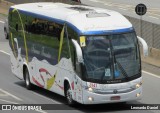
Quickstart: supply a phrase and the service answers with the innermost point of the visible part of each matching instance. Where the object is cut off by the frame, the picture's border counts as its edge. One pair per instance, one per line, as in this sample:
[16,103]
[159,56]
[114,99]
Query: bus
[88,55]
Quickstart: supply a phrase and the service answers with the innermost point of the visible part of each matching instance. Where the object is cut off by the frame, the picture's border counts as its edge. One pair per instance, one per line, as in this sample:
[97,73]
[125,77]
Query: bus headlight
[136,86]
[138,95]
[90,98]
[90,89]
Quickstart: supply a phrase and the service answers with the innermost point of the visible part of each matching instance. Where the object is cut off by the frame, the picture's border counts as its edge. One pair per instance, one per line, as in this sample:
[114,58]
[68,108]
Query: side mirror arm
[145,46]
[78,51]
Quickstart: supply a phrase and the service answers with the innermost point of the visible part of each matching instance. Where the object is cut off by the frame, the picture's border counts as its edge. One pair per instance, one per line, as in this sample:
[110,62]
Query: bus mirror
[16,27]
[144,45]
[78,51]
[15,39]
[78,68]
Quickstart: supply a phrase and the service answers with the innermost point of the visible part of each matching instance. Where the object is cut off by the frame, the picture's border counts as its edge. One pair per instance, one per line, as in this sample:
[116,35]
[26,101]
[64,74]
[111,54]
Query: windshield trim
[113,81]
[105,32]
[126,78]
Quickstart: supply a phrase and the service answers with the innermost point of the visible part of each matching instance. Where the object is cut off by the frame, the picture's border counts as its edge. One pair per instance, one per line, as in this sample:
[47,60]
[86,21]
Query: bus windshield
[111,58]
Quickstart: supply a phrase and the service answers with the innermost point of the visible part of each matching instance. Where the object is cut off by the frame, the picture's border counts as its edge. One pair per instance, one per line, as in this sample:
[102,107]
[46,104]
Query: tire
[5,33]
[27,80]
[68,94]
[123,103]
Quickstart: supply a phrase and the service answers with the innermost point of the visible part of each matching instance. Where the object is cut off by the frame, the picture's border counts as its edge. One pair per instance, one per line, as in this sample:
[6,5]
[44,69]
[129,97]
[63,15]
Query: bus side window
[17,27]
[10,16]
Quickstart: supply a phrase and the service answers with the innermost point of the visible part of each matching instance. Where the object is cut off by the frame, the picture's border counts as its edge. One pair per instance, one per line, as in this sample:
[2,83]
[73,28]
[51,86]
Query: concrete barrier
[150,31]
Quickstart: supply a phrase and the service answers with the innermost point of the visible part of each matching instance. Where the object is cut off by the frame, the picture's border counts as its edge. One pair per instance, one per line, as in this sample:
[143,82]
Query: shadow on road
[83,108]
[44,92]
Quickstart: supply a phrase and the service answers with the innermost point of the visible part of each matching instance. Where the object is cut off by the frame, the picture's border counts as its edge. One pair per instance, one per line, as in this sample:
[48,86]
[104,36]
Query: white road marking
[108,4]
[153,14]
[128,5]
[94,0]
[47,98]
[154,17]
[122,8]
[3,95]
[41,111]
[8,101]
[151,74]
[2,22]
[4,52]
[9,94]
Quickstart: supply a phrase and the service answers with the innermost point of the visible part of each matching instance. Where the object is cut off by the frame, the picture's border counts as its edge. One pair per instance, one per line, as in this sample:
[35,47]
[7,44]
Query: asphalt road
[13,91]
[127,7]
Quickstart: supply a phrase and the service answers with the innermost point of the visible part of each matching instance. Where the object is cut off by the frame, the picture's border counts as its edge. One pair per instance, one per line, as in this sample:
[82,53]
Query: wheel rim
[69,95]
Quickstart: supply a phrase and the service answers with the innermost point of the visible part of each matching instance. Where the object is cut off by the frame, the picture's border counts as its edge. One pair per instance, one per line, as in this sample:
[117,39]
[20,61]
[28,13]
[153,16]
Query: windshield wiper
[115,61]
[120,66]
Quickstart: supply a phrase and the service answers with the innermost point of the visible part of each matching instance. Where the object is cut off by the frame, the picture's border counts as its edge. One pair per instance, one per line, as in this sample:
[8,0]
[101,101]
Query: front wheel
[68,94]
[27,80]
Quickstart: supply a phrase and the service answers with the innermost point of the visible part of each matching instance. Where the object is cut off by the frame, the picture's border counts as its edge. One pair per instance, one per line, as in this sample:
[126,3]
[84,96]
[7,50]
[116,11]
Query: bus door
[17,60]
[78,88]
[32,68]
[14,54]
[77,79]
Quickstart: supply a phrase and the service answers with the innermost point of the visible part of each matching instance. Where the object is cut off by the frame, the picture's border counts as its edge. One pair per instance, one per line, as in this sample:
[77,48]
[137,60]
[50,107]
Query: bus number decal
[93,85]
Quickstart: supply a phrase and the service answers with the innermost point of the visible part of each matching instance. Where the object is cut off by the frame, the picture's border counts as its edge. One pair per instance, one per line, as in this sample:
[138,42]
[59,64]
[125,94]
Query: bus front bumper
[94,98]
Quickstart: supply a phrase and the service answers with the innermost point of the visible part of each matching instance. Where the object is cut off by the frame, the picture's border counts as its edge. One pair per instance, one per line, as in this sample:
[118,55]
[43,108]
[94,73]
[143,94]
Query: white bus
[89,55]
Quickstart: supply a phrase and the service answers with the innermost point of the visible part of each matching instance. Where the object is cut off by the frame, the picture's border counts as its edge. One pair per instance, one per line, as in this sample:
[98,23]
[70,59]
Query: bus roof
[83,18]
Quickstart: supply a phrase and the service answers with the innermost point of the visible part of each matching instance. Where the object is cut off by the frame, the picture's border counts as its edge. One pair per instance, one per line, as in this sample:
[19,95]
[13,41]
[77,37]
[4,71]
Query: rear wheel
[5,34]
[27,80]
[68,94]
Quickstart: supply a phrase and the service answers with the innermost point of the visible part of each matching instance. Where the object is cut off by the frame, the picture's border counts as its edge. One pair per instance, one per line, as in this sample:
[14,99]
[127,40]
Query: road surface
[127,7]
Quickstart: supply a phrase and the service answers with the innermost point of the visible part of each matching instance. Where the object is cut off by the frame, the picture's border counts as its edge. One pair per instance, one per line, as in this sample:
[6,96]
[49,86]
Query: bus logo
[115,91]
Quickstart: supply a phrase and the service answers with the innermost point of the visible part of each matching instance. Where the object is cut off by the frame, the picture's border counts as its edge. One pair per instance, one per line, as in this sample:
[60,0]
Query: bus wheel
[27,80]
[5,33]
[68,93]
